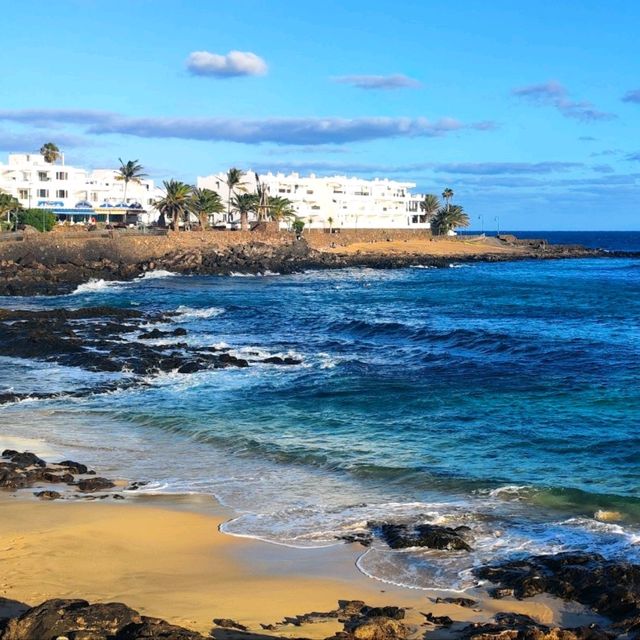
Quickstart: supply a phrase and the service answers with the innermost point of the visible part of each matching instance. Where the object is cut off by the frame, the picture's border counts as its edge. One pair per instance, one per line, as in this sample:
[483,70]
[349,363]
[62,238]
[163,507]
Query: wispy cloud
[587,139]
[505,168]
[606,152]
[633,157]
[489,169]
[553,94]
[33,140]
[287,131]
[396,81]
[632,96]
[603,168]
[233,64]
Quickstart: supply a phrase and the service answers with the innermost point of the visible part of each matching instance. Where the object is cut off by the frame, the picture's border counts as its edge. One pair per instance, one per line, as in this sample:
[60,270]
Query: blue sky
[530,111]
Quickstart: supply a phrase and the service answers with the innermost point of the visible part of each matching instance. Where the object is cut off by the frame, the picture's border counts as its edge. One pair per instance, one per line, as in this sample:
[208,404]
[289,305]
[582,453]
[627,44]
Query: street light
[481,218]
[497,219]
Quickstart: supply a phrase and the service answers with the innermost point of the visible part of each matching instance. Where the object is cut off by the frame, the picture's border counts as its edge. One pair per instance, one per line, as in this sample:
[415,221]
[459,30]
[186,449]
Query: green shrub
[298,225]
[41,219]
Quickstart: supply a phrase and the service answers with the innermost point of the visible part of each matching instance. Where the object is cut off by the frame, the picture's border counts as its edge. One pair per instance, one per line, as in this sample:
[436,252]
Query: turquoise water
[502,396]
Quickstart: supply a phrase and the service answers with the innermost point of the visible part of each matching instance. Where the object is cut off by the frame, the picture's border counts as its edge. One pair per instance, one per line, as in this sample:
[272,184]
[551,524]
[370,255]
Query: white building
[339,202]
[75,194]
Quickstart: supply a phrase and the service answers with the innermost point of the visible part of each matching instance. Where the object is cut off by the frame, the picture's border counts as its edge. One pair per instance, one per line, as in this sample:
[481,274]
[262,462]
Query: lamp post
[497,219]
[481,218]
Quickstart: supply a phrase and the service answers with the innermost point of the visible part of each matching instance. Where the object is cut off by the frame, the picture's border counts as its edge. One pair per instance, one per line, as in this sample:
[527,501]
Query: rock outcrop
[610,588]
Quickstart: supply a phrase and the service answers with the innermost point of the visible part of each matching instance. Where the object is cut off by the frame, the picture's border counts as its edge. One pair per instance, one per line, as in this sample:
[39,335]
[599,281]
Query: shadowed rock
[403,536]
[610,588]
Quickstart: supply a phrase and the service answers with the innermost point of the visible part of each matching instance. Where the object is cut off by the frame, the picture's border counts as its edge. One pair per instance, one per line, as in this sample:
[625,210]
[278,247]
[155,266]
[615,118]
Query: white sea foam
[98,286]
[260,274]
[191,312]
[157,273]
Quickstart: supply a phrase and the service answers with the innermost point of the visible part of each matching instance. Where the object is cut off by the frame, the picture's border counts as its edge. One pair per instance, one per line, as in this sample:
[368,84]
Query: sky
[529,111]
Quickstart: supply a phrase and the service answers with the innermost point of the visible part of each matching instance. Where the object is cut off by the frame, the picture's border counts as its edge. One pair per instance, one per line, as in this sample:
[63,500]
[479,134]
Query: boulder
[55,618]
[74,467]
[48,495]
[95,484]
[376,629]
[23,459]
[403,536]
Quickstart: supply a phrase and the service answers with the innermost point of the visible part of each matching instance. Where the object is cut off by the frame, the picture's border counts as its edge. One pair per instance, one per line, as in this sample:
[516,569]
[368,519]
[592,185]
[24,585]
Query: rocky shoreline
[610,589]
[50,268]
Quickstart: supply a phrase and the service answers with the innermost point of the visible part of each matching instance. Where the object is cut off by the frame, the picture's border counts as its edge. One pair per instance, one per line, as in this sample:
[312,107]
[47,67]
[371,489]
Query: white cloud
[233,64]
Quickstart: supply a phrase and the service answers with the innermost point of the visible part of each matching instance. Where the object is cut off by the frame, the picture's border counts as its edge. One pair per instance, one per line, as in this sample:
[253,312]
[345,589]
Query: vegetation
[298,225]
[40,219]
[280,208]
[206,203]
[234,183]
[9,206]
[449,218]
[244,204]
[128,172]
[50,152]
[176,204]
[447,194]
[430,206]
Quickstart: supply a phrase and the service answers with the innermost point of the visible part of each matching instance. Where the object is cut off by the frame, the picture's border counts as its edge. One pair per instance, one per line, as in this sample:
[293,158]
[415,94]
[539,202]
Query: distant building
[338,201]
[74,194]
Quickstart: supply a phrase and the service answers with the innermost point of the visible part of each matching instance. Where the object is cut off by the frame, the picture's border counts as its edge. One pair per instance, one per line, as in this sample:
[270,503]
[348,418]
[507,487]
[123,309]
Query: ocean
[500,396]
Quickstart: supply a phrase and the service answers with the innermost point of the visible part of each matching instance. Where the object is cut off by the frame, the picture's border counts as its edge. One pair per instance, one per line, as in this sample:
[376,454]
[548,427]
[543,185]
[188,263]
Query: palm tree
[244,203]
[128,172]
[234,181]
[430,206]
[280,208]
[449,218]
[330,221]
[176,203]
[262,191]
[50,152]
[205,204]
[447,194]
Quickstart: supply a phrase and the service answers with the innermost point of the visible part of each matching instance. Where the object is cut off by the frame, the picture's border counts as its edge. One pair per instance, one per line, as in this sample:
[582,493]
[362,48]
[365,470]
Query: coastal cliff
[52,264]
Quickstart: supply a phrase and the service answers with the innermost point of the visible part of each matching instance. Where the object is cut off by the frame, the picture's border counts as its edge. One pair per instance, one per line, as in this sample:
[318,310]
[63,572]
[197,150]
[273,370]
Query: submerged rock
[403,536]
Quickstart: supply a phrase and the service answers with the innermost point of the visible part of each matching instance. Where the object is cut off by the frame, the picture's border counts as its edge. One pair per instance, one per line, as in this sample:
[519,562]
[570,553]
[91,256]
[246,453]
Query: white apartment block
[338,202]
[74,194]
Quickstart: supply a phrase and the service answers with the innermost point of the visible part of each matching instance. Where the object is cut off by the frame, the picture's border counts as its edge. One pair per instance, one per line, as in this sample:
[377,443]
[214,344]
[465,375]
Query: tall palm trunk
[124,197]
[244,221]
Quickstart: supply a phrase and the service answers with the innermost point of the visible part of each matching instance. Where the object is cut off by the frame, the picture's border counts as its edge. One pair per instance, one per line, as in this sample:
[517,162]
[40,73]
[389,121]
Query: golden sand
[166,558]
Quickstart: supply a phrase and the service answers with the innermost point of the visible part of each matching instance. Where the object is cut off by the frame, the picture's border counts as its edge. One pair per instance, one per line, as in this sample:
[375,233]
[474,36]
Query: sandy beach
[165,557]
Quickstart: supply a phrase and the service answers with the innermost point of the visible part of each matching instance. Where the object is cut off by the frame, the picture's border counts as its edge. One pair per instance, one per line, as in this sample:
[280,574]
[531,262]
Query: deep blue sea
[502,396]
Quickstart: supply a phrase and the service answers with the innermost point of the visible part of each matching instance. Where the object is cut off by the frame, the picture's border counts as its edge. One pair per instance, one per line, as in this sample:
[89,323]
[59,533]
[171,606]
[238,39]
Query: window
[43,176]
[94,196]
[23,194]
[43,193]
[309,191]
[62,193]
[62,175]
